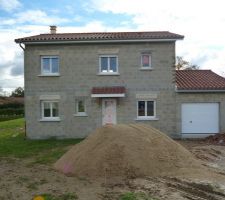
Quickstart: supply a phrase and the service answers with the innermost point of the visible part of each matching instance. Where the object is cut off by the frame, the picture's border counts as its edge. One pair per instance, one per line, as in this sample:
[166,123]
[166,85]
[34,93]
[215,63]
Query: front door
[108,111]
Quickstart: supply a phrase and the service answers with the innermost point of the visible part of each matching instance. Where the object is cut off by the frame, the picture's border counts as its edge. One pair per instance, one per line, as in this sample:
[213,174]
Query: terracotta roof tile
[99,36]
[108,90]
[199,80]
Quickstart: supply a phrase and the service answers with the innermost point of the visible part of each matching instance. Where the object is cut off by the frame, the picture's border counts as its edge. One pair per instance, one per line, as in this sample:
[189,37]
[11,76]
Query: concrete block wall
[79,68]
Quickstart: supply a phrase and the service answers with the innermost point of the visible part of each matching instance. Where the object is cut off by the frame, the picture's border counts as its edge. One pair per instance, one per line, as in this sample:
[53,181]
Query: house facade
[76,82]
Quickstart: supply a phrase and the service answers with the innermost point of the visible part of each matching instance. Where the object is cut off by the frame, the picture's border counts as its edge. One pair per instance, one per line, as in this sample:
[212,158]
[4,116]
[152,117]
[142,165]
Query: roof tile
[199,80]
[100,36]
[108,90]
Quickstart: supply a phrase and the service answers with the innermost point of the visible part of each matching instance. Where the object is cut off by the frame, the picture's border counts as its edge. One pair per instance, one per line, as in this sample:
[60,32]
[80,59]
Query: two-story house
[76,82]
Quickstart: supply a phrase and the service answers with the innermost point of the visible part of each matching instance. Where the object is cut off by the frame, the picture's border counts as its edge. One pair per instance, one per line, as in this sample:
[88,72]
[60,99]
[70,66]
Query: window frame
[150,60]
[108,64]
[77,113]
[51,118]
[50,73]
[145,116]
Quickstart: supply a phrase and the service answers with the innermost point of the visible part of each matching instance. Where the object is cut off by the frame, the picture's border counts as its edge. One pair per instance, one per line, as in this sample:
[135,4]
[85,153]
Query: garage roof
[199,80]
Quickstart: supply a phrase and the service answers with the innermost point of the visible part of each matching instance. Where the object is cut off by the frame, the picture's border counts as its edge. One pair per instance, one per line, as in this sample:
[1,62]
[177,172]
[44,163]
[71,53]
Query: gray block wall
[79,67]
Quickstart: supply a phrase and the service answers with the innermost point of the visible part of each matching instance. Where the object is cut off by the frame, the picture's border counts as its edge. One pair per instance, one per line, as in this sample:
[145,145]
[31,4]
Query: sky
[202,22]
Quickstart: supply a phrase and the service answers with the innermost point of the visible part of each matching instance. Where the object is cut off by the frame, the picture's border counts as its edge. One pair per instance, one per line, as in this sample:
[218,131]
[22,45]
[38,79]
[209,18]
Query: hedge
[11,111]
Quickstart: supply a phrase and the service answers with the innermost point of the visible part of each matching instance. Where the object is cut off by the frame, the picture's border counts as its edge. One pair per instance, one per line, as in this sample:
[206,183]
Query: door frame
[103,107]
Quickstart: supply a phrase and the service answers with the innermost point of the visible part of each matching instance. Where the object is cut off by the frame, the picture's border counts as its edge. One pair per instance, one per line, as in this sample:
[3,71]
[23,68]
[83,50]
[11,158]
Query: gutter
[98,41]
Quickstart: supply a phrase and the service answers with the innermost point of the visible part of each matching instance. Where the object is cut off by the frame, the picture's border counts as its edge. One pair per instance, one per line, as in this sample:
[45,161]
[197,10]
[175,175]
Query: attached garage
[200,103]
[200,118]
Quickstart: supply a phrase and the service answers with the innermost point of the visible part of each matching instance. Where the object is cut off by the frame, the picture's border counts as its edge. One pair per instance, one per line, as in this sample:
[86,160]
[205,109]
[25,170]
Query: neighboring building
[76,82]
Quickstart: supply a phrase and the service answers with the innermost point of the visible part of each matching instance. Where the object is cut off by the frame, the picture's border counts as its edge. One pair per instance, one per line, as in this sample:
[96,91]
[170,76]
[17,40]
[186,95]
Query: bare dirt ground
[19,179]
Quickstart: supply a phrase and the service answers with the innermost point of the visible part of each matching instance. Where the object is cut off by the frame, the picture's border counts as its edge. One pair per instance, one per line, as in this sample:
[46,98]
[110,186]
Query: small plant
[67,196]
[128,196]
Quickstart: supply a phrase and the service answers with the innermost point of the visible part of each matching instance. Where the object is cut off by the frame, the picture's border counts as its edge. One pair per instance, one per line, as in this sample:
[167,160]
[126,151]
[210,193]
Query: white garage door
[200,118]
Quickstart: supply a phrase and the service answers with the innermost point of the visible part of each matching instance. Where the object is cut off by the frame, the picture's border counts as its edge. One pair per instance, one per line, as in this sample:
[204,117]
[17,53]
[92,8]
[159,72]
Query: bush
[11,105]
[11,111]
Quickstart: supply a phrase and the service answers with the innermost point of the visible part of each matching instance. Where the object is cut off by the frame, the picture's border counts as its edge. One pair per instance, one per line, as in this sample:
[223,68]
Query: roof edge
[95,41]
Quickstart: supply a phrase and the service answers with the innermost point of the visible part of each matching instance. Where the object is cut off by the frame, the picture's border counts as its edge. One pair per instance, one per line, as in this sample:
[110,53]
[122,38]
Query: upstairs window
[50,65]
[108,64]
[145,61]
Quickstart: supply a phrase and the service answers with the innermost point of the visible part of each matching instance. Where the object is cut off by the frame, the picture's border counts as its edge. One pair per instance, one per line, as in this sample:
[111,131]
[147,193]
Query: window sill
[50,120]
[109,74]
[80,115]
[147,119]
[146,68]
[49,75]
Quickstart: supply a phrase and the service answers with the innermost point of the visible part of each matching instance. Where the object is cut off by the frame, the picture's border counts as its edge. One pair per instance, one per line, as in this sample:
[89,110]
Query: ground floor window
[50,109]
[80,108]
[145,109]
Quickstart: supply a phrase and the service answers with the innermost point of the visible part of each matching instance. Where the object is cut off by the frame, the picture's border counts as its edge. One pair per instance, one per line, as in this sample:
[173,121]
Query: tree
[18,92]
[182,64]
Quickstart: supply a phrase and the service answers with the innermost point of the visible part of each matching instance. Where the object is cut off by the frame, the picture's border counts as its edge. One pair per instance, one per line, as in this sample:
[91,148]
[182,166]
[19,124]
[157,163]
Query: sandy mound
[132,150]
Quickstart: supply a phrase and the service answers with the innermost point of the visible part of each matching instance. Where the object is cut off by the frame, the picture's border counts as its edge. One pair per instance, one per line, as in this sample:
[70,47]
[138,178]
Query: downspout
[22,46]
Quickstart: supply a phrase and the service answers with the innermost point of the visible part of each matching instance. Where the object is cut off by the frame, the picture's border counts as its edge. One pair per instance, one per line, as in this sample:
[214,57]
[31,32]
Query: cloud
[39,17]
[17,68]
[95,25]
[33,17]
[9,5]
[11,65]
[202,25]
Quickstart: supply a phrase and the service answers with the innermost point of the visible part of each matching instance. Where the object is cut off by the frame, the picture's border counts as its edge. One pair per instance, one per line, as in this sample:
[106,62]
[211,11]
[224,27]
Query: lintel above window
[49,66]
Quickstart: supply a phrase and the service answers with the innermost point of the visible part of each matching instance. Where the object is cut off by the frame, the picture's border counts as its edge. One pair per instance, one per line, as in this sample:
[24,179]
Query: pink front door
[108,111]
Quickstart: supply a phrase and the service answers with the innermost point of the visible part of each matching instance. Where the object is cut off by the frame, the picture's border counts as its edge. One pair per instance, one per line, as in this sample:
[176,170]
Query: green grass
[10,117]
[14,144]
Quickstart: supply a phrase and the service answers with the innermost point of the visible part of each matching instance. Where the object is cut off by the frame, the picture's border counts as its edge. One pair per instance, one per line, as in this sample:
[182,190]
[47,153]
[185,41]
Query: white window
[145,60]
[49,65]
[108,64]
[146,109]
[80,108]
[50,110]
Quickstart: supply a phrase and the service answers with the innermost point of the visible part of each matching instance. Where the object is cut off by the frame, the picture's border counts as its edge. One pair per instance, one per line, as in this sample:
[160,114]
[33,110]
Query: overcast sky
[201,21]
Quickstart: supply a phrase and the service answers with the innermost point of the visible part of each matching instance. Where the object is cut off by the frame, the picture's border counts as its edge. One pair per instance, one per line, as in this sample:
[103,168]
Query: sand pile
[132,150]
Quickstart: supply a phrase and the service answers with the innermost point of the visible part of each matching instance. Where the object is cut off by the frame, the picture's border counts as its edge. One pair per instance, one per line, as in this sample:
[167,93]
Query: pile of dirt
[133,150]
[217,139]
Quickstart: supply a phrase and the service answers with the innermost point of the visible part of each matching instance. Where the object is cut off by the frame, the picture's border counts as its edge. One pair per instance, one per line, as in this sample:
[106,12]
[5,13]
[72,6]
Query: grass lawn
[14,144]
